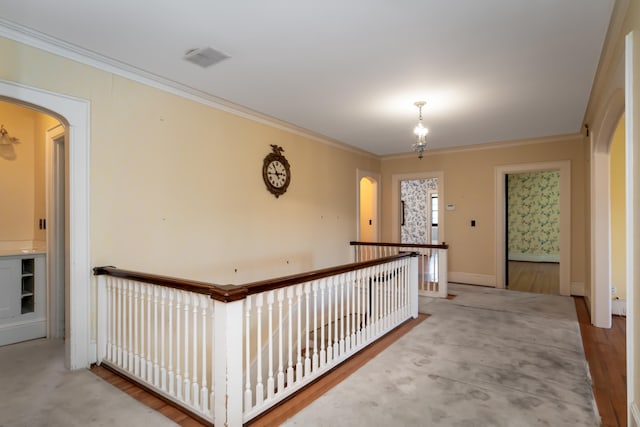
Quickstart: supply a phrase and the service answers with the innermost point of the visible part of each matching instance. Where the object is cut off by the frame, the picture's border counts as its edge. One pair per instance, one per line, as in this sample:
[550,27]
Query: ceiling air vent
[205,57]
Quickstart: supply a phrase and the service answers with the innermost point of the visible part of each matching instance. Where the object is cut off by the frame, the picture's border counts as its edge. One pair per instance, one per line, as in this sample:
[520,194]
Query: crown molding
[33,38]
[487,146]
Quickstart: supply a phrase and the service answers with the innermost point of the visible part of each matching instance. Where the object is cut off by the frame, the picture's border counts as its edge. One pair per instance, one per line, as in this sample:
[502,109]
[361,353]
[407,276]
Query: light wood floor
[538,277]
[605,350]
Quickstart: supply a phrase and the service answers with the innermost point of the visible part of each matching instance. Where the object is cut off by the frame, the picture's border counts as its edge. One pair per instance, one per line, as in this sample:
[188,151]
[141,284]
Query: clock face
[276,174]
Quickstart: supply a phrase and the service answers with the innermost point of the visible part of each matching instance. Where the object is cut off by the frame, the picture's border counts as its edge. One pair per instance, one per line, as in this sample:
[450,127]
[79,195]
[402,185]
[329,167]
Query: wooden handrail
[229,293]
[224,293]
[402,245]
[281,282]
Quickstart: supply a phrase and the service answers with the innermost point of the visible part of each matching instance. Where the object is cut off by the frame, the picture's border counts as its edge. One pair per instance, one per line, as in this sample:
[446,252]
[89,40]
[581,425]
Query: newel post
[443,278]
[102,320]
[414,280]
[227,363]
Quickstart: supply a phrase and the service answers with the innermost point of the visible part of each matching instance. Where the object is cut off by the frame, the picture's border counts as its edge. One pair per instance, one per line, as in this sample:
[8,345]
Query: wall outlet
[613,289]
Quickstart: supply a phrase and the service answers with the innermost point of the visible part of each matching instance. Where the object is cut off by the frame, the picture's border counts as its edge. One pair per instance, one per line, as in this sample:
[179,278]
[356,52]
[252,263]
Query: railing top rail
[228,293]
[281,282]
[402,245]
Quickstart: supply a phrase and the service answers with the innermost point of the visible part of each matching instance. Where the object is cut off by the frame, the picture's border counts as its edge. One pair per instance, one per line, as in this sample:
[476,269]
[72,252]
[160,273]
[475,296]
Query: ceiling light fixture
[5,139]
[420,132]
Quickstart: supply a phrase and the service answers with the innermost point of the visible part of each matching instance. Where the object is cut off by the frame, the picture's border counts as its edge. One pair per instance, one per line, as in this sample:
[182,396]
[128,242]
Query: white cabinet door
[9,288]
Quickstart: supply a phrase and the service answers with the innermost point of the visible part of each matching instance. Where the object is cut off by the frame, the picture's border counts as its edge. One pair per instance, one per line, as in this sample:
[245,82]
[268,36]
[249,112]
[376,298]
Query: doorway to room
[419,211]
[33,228]
[368,209]
[532,232]
[564,170]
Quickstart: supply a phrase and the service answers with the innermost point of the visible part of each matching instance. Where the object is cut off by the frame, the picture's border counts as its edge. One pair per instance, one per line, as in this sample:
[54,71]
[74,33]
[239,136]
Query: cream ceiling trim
[58,47]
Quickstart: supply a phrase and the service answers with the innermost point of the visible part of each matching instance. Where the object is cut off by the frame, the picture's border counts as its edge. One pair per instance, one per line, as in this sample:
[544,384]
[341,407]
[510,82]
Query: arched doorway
[74,114]
[368,206]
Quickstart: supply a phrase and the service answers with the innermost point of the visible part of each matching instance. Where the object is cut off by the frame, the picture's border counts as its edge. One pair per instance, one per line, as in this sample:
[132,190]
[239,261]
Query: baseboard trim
[23,331]
[535,258]
[472,278]
[577,288]
[635,415]
[619,307]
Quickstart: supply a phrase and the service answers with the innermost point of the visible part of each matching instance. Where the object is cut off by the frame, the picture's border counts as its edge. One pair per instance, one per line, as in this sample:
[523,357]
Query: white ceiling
[490,70]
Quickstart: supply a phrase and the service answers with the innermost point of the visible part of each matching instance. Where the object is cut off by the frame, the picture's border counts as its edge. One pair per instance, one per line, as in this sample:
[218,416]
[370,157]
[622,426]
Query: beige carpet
[36,390]
[486,358]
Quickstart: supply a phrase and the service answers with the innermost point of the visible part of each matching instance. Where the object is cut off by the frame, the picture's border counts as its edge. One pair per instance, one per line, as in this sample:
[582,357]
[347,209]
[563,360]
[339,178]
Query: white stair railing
[228,353]
[432,263]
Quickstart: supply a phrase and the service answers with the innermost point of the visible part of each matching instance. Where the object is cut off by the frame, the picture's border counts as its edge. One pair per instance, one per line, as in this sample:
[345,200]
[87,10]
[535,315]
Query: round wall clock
[276,171]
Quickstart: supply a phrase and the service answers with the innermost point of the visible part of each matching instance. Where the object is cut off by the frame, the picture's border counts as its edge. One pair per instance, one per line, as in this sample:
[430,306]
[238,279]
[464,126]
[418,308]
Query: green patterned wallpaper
[534,216]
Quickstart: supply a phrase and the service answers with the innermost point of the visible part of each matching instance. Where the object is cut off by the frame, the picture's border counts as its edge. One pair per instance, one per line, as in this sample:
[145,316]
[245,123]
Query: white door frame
[395,201]
[564,166]
[632,159]
[74,113]
[55,172]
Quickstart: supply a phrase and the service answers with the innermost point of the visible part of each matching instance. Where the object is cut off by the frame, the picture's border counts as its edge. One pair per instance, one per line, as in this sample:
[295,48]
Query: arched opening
[368,228]
[74,115]
[599,295]
[28,237]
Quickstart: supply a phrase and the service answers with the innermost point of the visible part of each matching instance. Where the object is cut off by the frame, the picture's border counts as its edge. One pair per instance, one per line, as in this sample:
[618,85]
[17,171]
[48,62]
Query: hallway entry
[532,231]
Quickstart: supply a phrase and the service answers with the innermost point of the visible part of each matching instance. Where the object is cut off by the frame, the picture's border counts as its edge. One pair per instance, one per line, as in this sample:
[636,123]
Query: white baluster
[136,325]
[314,360]
[213,355]
[341,278]
[186,384]
[280,349]
[259,385]
[349,310]
[172,384]
[111,319]
[143,356]
[156,365]
[149,325]
[270,382]
[307,359]
[178,348]
[336,334]
[130,323]
[329,317]
[204,392]
[299,372]
[358,310]
[323,353]
[119,329]
[248,399]
[290,315]
[195,397]
[163,367]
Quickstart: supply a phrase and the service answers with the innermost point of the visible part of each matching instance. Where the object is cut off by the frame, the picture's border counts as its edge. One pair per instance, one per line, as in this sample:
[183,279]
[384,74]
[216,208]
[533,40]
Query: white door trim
[395,201]
[55,254]
[74,113]
[564,166]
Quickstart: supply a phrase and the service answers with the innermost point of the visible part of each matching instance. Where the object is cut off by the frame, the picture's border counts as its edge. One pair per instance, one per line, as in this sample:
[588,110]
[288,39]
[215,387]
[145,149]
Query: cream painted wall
[176,186]
[469,177]
[618,227]
[21,178]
